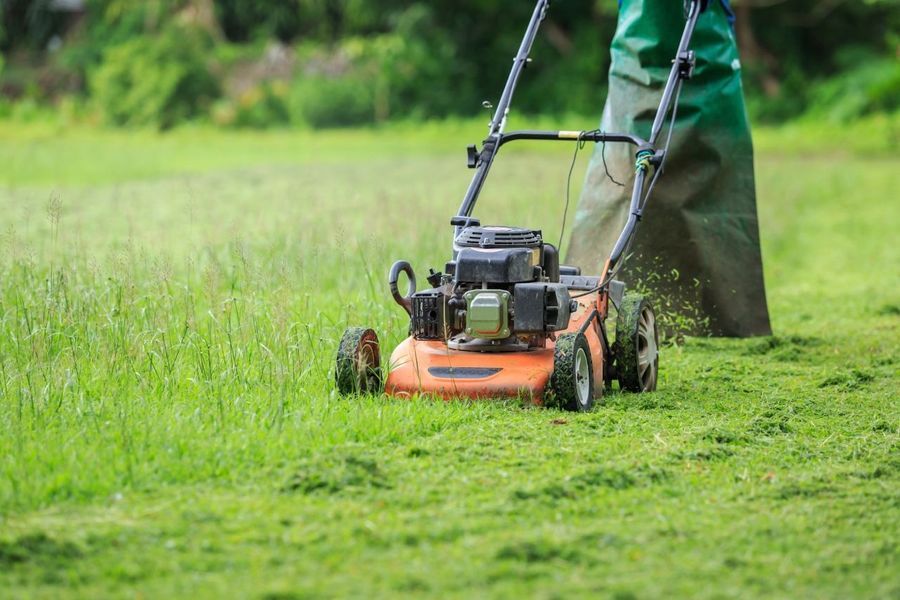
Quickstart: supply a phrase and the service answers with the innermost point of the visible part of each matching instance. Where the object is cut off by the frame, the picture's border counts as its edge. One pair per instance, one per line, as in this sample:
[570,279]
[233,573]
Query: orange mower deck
[430,367]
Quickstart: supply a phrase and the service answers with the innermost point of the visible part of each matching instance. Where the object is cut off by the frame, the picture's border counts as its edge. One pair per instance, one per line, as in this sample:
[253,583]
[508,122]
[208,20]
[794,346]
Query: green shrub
[415,68]
[790,102]
[865,83]
[872,85]
[321,101]
[259,107]
[365,79]
[160,80]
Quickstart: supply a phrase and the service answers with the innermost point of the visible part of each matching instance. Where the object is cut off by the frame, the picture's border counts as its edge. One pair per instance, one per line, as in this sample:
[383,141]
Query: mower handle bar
[574,136]
[482,160]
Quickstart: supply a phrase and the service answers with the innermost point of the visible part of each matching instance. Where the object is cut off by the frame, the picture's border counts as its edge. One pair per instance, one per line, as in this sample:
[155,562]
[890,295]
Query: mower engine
[501,293]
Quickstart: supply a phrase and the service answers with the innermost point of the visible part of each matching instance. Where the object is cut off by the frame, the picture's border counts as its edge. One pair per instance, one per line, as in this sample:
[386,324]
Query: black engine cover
[496,265]
[541,307]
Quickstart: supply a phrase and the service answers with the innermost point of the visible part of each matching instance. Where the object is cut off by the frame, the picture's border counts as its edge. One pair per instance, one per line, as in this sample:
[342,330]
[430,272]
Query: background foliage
[346,62]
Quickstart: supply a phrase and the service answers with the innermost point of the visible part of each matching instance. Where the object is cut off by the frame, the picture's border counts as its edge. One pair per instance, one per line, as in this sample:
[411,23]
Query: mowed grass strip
[168,424]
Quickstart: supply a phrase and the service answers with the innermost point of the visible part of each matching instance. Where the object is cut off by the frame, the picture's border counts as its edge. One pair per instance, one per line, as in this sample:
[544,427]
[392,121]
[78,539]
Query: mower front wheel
[636,349]
[358,365]
[572,381]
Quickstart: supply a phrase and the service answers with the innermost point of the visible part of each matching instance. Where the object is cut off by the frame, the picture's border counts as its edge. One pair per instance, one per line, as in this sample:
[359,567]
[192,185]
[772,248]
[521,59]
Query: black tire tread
[346,372]
[625,347]
[562,388]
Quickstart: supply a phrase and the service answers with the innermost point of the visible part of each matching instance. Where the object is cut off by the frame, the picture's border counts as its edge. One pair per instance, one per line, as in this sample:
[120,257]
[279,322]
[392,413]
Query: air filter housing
[499,237]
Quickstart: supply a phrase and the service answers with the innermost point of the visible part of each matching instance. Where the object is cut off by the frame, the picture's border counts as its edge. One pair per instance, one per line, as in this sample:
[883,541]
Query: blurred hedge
[160,80]
[350,62]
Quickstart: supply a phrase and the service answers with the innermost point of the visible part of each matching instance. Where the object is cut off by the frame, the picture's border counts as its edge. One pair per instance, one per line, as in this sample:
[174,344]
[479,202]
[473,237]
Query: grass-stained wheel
[571,384]
[358,365]
[636,349]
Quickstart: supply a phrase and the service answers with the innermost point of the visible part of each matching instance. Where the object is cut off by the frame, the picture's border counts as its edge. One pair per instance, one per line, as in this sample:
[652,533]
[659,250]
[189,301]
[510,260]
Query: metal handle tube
[519,62]
[633,218]
[474,189]
[492,143]
[674,77]
[672,84]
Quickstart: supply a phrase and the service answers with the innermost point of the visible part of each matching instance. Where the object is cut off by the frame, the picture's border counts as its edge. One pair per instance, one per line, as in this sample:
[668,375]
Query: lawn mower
[504,318]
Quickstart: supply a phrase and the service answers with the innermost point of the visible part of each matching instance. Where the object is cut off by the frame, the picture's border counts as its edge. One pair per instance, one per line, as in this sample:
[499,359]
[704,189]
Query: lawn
[170,308]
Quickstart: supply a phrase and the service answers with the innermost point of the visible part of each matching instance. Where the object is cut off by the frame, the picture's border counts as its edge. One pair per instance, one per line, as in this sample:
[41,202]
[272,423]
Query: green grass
[169,311]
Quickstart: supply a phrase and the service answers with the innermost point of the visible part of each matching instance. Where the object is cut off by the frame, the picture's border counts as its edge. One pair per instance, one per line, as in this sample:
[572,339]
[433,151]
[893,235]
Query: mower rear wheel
[358,365]
[572,381]
[636,349]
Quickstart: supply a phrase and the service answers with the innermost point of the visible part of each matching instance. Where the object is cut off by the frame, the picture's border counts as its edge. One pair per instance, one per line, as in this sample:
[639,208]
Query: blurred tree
[157,80]
[784,68]
[29,24]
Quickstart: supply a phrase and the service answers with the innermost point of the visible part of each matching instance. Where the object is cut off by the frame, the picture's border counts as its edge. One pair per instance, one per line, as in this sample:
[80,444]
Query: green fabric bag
[697,249]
